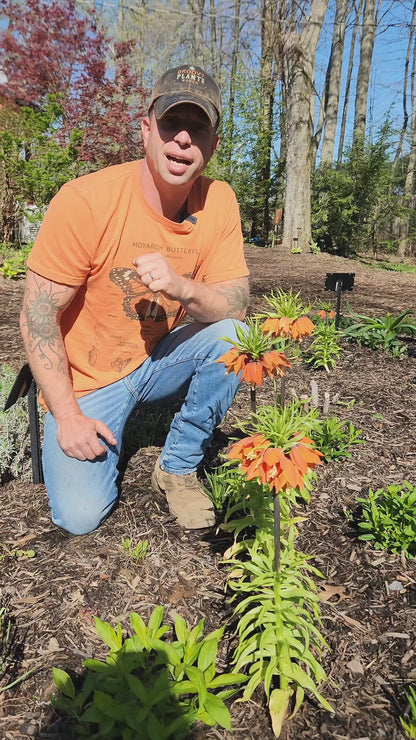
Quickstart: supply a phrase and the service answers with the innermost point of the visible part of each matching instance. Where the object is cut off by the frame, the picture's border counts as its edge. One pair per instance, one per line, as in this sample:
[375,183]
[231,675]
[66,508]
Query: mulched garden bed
[368,596]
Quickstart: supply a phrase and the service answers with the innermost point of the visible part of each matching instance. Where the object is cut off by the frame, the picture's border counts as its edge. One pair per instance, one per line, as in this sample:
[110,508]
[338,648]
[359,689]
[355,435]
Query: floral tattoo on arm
[236,294]
[42,308]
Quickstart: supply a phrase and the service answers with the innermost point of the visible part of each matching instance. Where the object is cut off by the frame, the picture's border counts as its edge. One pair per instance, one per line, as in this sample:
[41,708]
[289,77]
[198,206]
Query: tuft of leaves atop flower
[254,355]
[286,303]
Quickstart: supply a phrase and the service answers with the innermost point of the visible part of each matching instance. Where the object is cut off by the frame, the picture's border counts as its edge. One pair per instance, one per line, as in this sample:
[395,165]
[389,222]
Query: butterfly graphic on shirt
[139,303]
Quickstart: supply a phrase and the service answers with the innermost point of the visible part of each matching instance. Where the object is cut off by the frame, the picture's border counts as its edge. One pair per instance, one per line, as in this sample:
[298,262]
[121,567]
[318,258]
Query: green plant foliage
[36,179]
[335,438]
[138,551]
[282,426]
[380,264]
[254,341]
[221,484]
[285,303]
[278,628]
[147,427]
[324,349]
[381,333]
[351,200]
[15,458]
[148,688]
[388,518]
[409,722]
[16,553]
[15,263]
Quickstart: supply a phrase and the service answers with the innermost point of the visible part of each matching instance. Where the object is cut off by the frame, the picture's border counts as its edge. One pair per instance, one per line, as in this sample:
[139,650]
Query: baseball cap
[187,84]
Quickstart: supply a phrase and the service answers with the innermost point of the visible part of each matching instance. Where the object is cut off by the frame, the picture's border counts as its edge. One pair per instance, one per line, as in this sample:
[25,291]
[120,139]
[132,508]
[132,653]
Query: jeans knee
[78,523]
[79,514]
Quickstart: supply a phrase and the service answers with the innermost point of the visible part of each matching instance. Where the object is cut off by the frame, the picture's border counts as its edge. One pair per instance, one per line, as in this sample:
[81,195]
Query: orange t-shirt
[93,229]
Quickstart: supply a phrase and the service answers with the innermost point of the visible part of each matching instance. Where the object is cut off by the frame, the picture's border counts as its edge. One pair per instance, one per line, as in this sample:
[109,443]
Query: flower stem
[282,391]
[253,399]
[277,533]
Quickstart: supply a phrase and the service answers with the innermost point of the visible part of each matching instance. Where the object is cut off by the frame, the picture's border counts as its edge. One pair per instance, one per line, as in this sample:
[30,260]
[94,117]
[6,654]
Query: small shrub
[148,687]
[388,519]
[14,264]
[381,333]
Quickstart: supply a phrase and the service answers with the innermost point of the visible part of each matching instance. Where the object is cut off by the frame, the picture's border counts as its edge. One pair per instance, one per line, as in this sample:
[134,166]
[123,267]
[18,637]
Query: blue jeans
[82,493]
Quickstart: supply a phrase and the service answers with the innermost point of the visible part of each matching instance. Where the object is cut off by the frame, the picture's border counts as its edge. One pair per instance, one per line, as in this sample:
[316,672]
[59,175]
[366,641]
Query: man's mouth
[179,160]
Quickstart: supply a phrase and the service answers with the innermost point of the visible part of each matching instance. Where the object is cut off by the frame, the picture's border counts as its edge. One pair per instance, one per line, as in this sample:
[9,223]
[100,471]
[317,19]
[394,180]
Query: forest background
[320,151]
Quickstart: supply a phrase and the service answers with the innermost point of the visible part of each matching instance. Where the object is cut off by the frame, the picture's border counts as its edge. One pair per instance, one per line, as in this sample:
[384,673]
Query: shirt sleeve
[225,260]
[64,246]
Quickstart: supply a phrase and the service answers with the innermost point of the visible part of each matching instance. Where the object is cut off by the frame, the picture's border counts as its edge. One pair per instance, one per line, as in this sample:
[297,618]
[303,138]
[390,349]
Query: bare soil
[370,628]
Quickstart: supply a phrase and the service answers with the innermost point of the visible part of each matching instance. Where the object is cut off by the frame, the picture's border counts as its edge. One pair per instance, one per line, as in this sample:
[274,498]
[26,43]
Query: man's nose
[183,137]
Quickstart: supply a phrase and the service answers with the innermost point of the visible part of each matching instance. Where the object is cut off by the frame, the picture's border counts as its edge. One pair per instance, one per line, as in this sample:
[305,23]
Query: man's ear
[145,127]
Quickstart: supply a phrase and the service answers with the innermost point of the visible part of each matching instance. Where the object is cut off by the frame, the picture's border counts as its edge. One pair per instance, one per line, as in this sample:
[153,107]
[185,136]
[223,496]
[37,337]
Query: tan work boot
[186,498]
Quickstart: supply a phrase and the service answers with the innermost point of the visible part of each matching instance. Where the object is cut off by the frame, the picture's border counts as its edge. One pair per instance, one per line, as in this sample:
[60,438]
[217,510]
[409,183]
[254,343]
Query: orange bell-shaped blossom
[286,327]
[255,370]
[303,456]
[272,465]
[326,314]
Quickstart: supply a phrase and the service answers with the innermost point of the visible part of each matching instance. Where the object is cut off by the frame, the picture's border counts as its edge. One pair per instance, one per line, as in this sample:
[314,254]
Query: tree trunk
[300,62]
[227,145]
[403,246]
[333,82]
[348,84]
[215,66]
[197,40]
[364,69]
[268,79]
[405,86]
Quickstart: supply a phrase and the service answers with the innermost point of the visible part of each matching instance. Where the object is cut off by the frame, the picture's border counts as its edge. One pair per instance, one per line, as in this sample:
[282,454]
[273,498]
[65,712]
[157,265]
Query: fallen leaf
[331,590]
[356,666]
[181,591]
[53,645]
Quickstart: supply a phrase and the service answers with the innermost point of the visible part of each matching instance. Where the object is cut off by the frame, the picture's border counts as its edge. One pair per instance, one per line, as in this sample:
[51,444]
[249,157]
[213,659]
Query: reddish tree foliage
[50,48]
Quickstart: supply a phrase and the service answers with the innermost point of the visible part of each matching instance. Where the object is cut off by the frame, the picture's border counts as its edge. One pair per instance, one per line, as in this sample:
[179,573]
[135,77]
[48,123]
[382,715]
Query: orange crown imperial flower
[326,314]
[286,327]
[271,465]
[255,370]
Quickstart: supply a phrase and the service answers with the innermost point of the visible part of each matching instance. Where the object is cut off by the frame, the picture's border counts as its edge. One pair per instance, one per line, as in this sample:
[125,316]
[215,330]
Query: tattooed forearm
[42,305]
[236,294]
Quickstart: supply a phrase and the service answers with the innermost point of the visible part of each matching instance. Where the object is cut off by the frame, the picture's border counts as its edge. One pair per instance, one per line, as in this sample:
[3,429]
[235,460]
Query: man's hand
[155,271]
[78,436]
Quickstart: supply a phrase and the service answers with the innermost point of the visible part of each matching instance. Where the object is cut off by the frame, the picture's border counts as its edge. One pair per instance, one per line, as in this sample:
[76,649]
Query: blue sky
[386,84]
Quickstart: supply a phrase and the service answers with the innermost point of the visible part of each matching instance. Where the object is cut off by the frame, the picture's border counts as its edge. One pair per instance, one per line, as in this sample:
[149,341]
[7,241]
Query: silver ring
[151,276]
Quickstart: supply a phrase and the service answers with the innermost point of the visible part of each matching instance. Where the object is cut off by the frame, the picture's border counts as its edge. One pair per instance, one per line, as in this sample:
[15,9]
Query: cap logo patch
[190,75]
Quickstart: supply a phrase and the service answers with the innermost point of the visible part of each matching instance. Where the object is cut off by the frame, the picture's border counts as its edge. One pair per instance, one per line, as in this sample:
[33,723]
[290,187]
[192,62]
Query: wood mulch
[368,596]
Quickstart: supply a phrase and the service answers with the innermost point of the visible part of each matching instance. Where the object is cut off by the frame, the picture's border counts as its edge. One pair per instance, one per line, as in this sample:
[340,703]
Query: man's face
[179,145]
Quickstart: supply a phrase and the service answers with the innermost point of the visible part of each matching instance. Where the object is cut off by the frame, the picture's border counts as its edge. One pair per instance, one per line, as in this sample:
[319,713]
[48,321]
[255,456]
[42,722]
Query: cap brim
[166,102]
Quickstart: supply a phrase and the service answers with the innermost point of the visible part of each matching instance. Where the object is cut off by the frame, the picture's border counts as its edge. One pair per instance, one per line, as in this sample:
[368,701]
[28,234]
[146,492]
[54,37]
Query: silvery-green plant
[14,431]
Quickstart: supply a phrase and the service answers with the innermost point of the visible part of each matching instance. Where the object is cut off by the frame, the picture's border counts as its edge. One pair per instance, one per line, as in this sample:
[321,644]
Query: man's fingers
[83,441]
[106,433]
